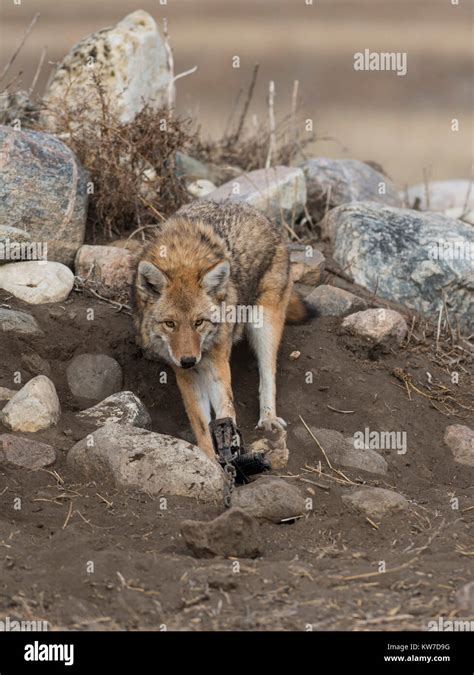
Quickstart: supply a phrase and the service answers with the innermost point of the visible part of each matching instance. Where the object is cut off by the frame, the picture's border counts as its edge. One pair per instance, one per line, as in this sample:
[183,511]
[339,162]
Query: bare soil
[321,570]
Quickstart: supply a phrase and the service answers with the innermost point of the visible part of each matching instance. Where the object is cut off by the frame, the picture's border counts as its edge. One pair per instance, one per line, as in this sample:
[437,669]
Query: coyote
[206,262]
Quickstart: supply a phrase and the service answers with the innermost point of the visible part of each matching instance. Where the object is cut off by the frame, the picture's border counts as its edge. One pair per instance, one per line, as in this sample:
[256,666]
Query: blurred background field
[404,123]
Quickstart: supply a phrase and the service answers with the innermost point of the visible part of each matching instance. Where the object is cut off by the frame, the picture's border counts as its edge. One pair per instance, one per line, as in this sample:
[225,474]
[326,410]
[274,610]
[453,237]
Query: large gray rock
[376,502]
[94,376]
[441,195]
[333,301]
[19,323]
[37,283]
[148,462]
[277,191]
[460,440]
[332,182]
[25,452]
[234,533]
[407,256]
[33,408]
[43,191]
[270,498]
[341,450]
[121,408]
[129,59]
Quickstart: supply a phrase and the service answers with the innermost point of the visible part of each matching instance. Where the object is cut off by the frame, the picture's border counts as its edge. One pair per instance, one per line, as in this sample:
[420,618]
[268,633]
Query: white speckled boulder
[130,61]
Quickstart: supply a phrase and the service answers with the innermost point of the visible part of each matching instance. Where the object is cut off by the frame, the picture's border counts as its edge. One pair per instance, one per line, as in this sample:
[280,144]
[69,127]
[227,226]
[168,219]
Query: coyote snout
[187,362]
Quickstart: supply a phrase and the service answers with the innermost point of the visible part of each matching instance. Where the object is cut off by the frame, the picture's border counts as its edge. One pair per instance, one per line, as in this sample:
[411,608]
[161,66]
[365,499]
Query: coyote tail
[299,310]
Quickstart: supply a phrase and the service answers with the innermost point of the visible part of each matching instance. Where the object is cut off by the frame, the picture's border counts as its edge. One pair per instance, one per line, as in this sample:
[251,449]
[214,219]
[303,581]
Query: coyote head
[174,310]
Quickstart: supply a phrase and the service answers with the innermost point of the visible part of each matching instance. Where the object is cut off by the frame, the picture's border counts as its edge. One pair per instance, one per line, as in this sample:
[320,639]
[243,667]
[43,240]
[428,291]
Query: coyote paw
[271,424]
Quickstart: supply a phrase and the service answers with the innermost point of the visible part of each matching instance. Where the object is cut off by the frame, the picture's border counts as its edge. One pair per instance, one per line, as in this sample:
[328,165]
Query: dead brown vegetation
[132,166]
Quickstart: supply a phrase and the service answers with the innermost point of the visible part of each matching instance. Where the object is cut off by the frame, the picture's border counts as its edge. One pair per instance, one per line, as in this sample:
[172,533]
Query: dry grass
[249,149]
[253,146]
[132,166]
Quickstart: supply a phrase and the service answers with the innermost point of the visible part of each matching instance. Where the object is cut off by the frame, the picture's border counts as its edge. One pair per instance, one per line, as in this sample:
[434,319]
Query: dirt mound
[87,556]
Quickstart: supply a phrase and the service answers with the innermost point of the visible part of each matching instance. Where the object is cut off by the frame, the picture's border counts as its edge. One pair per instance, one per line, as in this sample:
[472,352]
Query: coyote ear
[216,277]
[150,278]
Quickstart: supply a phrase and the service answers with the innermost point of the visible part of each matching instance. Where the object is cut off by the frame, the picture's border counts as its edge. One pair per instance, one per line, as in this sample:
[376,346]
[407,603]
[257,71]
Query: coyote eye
[199,322]
[170,324]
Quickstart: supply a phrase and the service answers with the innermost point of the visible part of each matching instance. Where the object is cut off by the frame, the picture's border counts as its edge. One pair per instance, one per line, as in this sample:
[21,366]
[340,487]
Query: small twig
[411,331]
[68,516]
[17,50]
[374,525]
[439,326]
[465,209]
[343,412]
[427,189]
[140,229]
[272,125]
[109,504]
[38,69]
[340,473]
[447,319]
[319,485]
[294,108]
[152,208]
[185,73]
[170,59]
[375,290]
[312,469]
[328,201]
[236,136]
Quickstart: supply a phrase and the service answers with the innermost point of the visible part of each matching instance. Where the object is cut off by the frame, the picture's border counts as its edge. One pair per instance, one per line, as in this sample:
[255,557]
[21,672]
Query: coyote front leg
[207,386]
[216,381]
[197,405]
